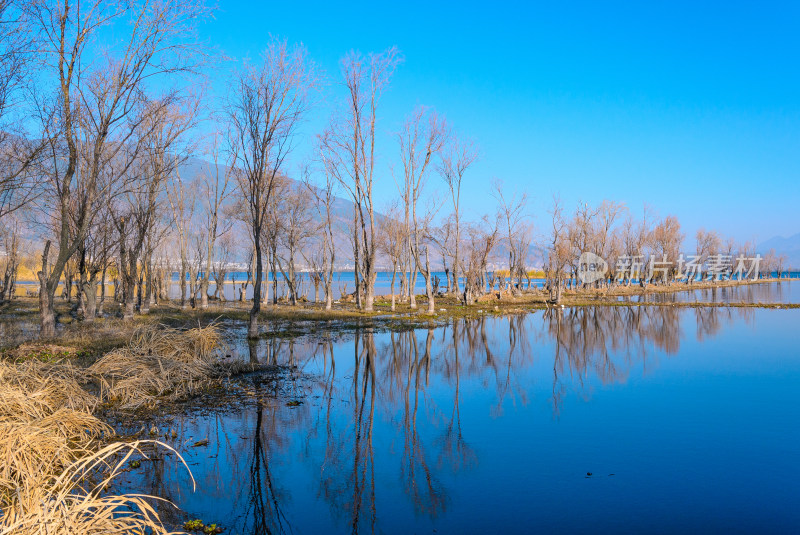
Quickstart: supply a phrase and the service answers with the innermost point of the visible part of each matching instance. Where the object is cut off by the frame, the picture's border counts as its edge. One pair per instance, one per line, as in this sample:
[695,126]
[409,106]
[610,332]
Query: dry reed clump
[46,423]
[157,363]
[69,504]
[53,384]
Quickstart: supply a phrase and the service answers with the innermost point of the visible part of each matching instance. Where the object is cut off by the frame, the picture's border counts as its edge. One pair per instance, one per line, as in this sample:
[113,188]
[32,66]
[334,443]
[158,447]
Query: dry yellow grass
[68,504]
[157,363]
[46,423]
[53,480]
[53,384]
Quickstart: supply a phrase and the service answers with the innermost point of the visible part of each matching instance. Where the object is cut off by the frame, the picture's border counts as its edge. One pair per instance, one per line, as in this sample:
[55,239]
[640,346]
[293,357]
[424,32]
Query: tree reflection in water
[454,449]
[608,341]
[410,386]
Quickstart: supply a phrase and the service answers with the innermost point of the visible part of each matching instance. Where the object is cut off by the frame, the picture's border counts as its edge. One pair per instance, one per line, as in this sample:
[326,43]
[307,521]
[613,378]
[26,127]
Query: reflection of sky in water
[772,292]
[491,426]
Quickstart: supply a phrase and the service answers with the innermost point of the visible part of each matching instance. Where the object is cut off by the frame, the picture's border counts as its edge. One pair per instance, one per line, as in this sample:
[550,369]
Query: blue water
[343,282]
[770,292]
[687,420]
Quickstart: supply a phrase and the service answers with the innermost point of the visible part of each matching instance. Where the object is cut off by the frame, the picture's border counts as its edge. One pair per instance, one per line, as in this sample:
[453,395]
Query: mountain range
[783,246]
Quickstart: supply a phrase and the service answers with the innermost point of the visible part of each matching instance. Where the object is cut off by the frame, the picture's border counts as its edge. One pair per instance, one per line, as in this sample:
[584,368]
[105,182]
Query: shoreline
[285,321]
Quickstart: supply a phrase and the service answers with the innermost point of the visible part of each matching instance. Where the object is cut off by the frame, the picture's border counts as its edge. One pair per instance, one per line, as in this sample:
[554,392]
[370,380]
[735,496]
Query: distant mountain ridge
[787,246]
[342,209]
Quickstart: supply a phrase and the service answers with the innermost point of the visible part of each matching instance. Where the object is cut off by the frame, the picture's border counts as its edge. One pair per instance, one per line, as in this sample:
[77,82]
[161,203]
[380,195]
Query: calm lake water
[589,420]
[770,292]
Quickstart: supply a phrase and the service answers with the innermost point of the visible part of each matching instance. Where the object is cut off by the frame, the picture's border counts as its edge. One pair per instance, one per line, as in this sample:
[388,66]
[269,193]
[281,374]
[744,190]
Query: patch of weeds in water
[198,525]
[135,464]
[193,525]
[294,403]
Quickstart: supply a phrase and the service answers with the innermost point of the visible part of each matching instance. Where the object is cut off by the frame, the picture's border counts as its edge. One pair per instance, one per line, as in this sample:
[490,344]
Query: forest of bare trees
[100,196]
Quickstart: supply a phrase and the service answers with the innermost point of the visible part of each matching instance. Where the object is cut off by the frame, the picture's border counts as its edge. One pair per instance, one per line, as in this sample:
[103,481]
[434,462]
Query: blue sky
[691,109]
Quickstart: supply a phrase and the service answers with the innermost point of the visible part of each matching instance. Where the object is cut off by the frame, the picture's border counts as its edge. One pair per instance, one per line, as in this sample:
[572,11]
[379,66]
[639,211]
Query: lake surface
[767,292]
[587,420]
[344,283]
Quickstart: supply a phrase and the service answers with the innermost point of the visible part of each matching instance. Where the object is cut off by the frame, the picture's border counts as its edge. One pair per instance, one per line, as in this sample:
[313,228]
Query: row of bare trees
[644,249]
[104,115]
[99,144]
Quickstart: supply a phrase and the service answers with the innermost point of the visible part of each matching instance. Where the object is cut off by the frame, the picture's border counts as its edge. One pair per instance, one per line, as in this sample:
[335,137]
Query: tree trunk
[394,275]
[455,258]
[328,296]
[252,328]
[82,279]
[7,291]
[48,316]
[90,304]
[204,291]
[184,270]
[412,282]
[428,287]
[358,288]
[293,282]
[99,312]
[47,292]
[369,294]
[67,291]
[129,296]
[147,300]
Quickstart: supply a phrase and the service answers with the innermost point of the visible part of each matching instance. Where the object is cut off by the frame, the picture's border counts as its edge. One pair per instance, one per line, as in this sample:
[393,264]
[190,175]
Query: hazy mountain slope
[788,246]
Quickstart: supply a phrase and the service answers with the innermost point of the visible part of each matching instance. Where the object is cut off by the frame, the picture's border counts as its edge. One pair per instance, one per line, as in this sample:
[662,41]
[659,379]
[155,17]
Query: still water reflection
[584,420]
[763,292]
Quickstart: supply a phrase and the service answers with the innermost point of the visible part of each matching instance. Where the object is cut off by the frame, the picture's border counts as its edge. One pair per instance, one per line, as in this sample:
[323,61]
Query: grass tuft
[158,362]
[69,504]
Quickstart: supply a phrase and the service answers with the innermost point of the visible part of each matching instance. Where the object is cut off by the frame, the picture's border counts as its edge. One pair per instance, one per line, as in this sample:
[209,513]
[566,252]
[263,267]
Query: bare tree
[559,252]
[324,199]
[94,256]
[216,187]
[350,141]
[482,240]
[10,237]
[667,241]
[421,139]
[780,263]
[223,254]
[266,106]
[458,157]
[393,242]
[636,240]
[295,229]
[19,155]
[98,100]
[581,233]
[156,159]
[707,244]
[443,236]
[181,201]
[511,211]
